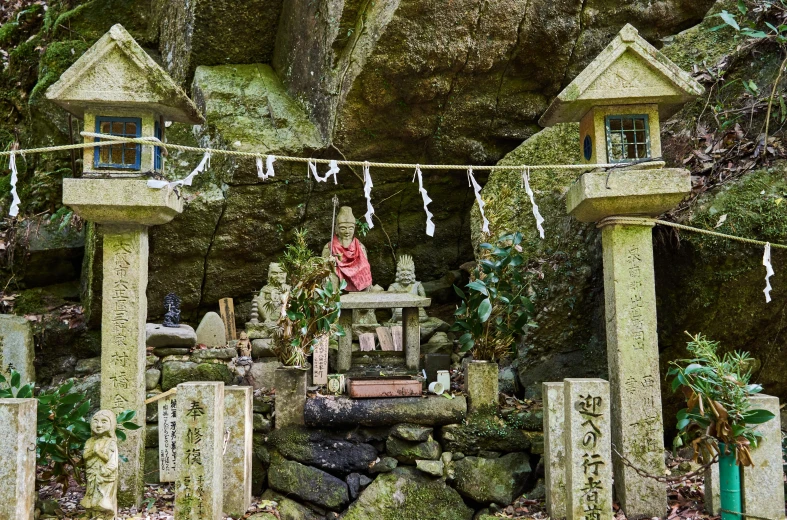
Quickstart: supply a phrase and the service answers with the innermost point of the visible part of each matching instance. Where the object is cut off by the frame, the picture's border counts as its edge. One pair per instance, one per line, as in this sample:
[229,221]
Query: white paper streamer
[203,164]
[14,210]
[427,200]
[477,189]
[264,175]
[766,261]
[367,191]
[536,212]
[333,169]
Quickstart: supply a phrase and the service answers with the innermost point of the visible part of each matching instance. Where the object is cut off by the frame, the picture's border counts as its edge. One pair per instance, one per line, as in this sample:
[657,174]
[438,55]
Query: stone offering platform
[411,327]
[344,411]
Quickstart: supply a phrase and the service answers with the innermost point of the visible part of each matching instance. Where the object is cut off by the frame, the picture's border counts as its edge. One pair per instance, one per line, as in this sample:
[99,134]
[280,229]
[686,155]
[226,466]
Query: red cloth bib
[352,265]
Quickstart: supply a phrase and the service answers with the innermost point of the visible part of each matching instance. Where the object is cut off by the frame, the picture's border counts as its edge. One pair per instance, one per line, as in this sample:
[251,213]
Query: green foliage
[757,27]
[361,227]
[494,309]
[62,427]
[717,392]
[312,303]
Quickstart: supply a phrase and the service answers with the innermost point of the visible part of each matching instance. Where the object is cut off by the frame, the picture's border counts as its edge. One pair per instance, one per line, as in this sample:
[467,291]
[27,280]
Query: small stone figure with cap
[352,263]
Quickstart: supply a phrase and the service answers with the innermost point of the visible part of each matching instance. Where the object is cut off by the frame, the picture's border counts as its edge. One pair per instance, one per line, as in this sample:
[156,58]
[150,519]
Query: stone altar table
[411,327]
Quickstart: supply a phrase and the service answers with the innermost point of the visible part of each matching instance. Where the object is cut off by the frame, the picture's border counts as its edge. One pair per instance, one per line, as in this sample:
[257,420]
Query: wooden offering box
[360,387]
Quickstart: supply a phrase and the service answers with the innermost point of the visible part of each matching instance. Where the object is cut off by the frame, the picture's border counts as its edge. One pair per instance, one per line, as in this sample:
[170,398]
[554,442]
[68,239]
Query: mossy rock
[307,483]
[498,480]
[406,494]
[175,372]
[487,433]
[322,449]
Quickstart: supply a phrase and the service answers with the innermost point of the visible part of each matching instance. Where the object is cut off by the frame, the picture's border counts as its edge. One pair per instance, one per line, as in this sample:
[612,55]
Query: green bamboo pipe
[729,484]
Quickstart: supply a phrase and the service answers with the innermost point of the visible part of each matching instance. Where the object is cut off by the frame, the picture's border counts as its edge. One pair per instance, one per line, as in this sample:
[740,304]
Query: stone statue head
[345,225]
[276,274]
[405,270]
[103,423]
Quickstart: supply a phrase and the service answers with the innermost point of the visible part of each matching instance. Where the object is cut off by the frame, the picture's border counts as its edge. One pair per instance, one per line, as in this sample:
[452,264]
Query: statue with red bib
[352,261]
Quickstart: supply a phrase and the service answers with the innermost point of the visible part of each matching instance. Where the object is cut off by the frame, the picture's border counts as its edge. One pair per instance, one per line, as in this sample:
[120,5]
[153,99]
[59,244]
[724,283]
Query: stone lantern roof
[628,71]
[117,72]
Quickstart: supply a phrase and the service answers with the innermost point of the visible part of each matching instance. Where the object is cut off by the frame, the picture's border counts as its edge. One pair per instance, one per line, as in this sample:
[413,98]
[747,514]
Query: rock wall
[389,80]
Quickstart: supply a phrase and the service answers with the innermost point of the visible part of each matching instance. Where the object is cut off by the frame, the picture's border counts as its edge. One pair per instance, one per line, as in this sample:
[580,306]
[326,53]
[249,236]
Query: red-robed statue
[352,263]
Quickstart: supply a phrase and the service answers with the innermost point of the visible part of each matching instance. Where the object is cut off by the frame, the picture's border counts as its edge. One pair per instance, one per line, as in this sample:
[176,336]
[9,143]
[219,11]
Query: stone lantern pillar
[618,100]
[119,90]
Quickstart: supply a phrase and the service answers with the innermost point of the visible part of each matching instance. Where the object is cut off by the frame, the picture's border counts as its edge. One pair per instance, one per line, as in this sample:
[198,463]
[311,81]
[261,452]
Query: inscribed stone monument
[17,458]
[762,485]
[16,347]
[588,449]
[199,490]
[237,453]
[555,449]
[167,432]
[123,344]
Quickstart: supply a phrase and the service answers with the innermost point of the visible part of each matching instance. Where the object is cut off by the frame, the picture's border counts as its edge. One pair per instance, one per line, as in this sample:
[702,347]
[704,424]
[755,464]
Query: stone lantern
[119,90]
[618,101]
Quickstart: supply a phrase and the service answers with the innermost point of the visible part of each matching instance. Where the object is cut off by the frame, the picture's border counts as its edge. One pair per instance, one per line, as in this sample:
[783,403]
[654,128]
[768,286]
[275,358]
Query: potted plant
[309,311]
[494,310]
[718,417]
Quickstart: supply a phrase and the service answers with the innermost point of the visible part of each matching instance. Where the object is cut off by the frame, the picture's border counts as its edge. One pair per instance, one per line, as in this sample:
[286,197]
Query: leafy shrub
[717,392]
[62,427]
[312,303]
[494,309]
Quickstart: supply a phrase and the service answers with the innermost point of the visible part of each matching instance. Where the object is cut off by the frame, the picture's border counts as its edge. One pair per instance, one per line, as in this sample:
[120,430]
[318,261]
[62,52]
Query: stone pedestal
[632,343]
[290,396]
[712,491]
[123,344]
[588,449]
[237,455]
[481,386]
[633,360]
[125,207]
[17,458]
[16,347]
[199,490]
[555,449]
[762,485]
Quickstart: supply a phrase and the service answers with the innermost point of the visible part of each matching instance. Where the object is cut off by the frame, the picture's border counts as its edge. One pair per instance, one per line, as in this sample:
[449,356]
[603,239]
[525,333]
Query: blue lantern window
[157,149]
[121,156]
[628,138]
[587,148]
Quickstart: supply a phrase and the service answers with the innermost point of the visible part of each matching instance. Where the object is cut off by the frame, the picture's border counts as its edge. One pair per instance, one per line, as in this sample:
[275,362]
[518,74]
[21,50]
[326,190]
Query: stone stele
[238,451]
[555,449]
[17,458]
[16,347]
[762,485]
[199,489]
[588,449]
[211,331]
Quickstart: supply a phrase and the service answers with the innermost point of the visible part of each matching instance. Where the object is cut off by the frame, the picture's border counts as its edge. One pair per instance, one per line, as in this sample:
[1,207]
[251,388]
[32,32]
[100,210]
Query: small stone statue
[171,311]
[352,261]
[101,467]
[244,345]
[266,306]
[406,283]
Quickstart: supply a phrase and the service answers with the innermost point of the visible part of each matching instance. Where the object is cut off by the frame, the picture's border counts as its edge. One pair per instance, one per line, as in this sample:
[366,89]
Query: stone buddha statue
[406,283]
[266,306]
[351,259]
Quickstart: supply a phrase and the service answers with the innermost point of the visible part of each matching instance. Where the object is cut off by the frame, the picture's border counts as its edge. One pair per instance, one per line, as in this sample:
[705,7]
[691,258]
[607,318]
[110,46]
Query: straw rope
[107,140]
